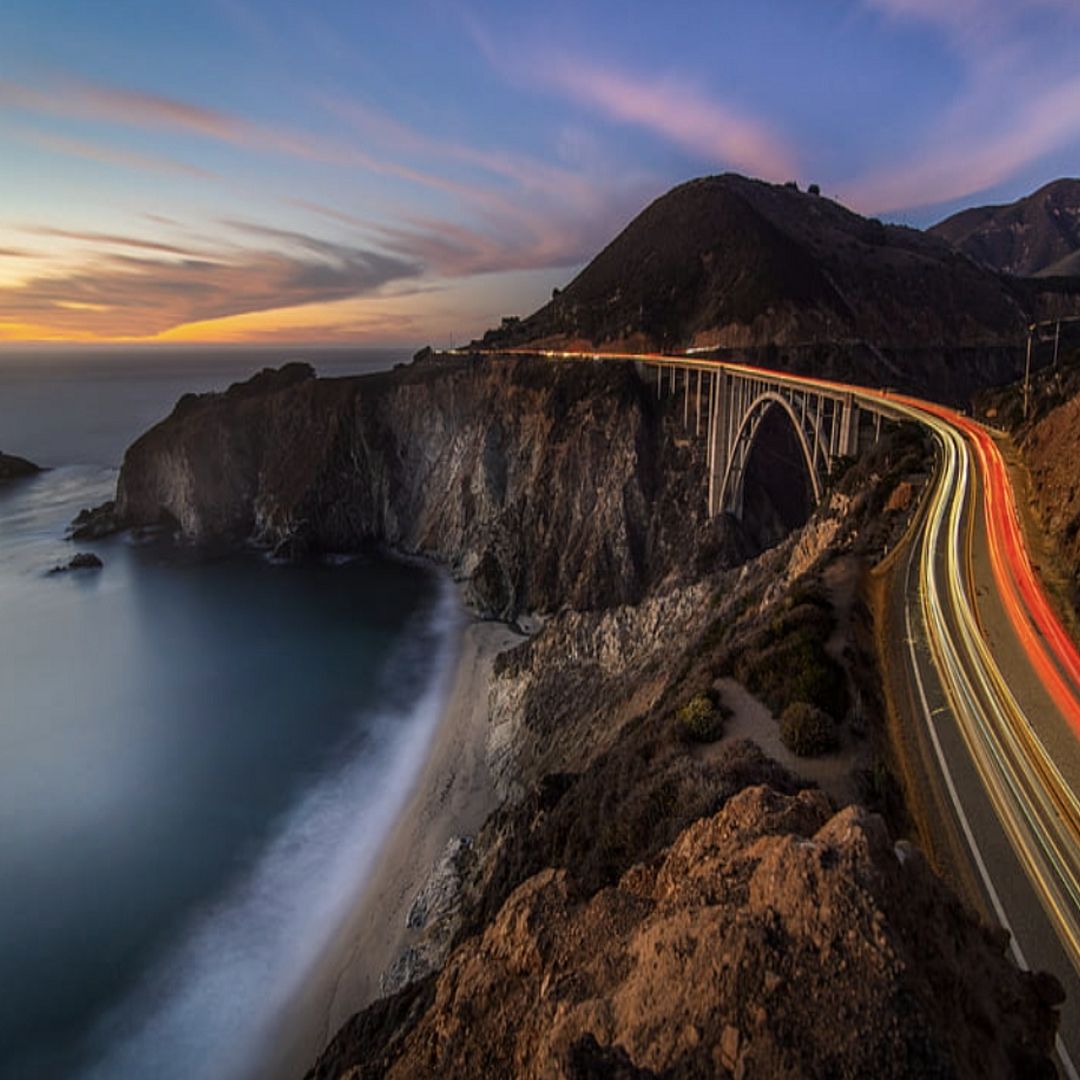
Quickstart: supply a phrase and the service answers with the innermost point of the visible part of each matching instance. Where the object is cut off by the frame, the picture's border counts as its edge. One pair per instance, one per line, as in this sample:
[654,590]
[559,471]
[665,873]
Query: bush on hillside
[700,720]
[806,730]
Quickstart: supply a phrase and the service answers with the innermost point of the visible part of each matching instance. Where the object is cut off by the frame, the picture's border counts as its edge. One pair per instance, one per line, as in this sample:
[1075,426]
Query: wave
[205,1009]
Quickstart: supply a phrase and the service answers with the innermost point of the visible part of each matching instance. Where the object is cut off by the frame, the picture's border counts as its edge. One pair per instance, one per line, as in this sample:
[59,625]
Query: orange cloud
[122,296]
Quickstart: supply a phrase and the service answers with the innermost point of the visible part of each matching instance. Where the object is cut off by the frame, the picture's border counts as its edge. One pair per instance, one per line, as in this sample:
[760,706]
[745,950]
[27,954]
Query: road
[995,685]
[992,682]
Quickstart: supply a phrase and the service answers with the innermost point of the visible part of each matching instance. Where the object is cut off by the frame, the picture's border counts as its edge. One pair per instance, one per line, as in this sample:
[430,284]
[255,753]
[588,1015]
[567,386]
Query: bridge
[728,402]
[725,404]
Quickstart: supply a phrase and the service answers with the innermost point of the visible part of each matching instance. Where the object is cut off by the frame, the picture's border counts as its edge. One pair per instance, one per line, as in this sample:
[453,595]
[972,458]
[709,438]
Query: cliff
[539,484]
[1047,448]
[773,938]
[643,903]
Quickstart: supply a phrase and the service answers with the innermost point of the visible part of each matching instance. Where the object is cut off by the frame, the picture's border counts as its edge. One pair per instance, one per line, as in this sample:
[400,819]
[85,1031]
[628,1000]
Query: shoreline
[453,796]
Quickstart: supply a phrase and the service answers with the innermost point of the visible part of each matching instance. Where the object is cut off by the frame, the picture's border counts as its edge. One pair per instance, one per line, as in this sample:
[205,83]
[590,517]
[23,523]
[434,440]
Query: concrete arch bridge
[728,403]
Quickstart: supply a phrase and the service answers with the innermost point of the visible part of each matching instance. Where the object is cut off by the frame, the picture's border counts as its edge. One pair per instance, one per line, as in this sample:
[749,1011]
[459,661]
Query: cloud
[968,18]
[110,240]
[526,172]
[153,112]
[89,151]
[677,112]
[538,216]
[118,296]
[666,106]
[342,217]
[527,241]
[1018,101]
[958,164]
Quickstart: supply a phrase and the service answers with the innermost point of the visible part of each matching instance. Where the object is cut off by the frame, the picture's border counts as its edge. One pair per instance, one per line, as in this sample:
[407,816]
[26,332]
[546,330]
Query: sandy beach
[452,797]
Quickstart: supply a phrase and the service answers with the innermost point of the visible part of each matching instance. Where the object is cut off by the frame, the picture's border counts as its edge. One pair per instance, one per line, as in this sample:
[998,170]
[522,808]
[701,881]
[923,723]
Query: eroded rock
[772,939]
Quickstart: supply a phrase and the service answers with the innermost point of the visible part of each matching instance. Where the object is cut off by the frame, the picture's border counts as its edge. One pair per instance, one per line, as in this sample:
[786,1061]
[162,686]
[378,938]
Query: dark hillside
[730,263]
[1039,234]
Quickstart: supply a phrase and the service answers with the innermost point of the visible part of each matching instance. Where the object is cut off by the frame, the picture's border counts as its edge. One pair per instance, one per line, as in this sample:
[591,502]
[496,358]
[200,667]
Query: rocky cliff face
[1050,451]
[774,938]
[540,484]
[1047,441]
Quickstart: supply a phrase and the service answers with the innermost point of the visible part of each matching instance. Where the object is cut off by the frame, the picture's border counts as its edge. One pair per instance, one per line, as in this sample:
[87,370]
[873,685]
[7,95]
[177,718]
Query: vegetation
[806,730]
[785,660]
[701,719]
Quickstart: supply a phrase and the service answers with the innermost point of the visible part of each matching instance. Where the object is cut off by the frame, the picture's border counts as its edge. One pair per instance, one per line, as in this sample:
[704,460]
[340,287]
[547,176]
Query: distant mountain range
[732,263]
[1036,235]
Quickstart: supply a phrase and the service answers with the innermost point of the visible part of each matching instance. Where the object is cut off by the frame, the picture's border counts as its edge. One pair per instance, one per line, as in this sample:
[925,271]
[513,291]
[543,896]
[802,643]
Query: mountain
[1039,234]
[729,261]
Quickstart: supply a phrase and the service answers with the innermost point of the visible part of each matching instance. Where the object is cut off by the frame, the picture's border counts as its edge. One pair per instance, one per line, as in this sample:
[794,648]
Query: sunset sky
[234,170]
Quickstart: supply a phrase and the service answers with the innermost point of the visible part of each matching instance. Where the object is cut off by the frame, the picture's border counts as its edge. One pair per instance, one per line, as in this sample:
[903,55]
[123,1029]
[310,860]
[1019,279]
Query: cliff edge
[539,484]
[774,938]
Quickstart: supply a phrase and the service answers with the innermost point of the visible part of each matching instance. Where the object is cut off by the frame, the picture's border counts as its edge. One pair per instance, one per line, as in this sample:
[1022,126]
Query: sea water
[198,757]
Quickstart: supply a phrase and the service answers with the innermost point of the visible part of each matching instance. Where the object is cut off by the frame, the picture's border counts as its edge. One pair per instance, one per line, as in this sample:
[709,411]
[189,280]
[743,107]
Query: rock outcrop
[83,560]
[774,938]
[13,467]
[541,485]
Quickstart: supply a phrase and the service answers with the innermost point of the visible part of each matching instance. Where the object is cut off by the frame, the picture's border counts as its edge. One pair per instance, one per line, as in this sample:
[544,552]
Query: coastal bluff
[539,484]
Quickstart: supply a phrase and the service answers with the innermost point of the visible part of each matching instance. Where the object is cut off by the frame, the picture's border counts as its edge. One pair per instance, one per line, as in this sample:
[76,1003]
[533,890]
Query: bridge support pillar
[849,426]
[718,439]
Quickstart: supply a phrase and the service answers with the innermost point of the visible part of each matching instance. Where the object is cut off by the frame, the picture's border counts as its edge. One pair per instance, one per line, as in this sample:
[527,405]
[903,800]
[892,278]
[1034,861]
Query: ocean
[198,757]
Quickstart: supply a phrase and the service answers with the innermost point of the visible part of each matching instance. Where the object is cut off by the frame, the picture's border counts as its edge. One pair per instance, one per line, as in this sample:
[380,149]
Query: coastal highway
[991,690]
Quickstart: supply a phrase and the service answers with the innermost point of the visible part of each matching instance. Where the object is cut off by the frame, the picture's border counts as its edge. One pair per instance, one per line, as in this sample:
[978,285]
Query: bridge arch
[734,476]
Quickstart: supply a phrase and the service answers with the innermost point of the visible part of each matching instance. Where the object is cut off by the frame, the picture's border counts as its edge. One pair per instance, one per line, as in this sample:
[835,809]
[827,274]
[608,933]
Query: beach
[452,797]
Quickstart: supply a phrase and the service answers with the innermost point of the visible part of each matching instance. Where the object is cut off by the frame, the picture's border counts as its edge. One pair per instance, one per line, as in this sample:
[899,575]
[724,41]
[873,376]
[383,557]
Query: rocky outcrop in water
[540,484]
[13,468]
[774,938]
[84,560]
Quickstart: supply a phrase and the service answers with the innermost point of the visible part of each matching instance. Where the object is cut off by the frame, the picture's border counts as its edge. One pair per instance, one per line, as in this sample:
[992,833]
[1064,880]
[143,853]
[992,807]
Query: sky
[361,172]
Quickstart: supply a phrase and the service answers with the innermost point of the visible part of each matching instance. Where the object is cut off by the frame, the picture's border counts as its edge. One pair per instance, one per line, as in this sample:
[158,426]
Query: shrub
[785,660]
[807,730]
[700,720]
